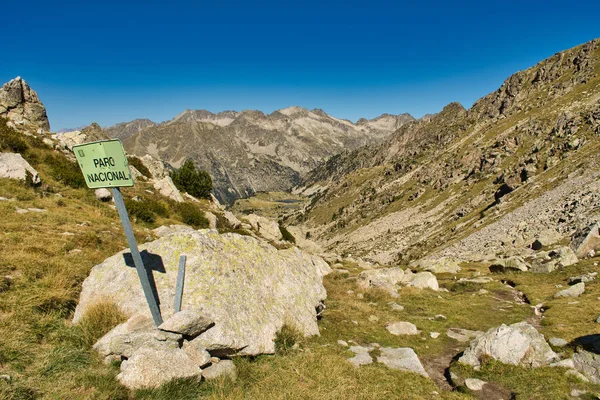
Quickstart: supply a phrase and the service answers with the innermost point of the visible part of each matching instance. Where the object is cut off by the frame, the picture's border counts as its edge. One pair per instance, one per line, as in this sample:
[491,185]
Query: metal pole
[137,258]
[179,285]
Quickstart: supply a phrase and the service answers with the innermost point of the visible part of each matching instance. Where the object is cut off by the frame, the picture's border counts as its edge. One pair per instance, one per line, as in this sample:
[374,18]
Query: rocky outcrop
[247,287]
[92,133]
[265,227]
[14,166]
[518,344]
[20,104]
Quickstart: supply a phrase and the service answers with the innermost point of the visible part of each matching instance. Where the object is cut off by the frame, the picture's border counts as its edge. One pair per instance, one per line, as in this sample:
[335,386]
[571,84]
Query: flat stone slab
[402,358]
[187,322]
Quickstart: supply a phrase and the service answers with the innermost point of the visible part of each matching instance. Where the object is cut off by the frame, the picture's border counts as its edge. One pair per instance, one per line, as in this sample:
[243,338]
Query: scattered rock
[401,328]
[588,364]
[103,195]
[149,368]
[224,368]
[14,166]
[197,353]
[188,322]
[517,344]
[265,227]
[474,384]
[462,335]
[403,358]
[342,343]
[573,291]
[434,335]
[397,307]
[558,342]
[589,277]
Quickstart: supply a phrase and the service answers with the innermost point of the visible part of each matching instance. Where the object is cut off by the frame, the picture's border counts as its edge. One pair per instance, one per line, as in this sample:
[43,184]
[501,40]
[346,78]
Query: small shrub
[64,170]
[197,183]
[286,338]
[99,319]
[10,139]
[286,234]
[139,210]
[192,215]
[139,165]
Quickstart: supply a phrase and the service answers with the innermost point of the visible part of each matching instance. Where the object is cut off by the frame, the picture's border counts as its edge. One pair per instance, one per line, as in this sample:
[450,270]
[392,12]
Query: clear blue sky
[114,61]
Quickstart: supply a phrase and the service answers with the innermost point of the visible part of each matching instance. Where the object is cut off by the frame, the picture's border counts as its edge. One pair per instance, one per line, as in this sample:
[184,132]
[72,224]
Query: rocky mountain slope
[438,180]
[249,151]
[125,129]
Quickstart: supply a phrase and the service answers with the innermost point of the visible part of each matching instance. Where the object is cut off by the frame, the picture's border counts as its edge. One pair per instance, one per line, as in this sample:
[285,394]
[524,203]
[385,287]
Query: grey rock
[187,322]
[265,227]
[231,220]
[212,220]
[149,368]
[558,342]
[583,243]
[14,166]
[434,335]
[167,188]
[585,278]
[588,364]
[401,328]
[384,278]
[566,363]
[361,349]
[514,263]
[404,359]
[572,291]
[247,287]
[443,265]
[474,384]
[20,104]
[424,280]
[361,359]
[517,344]
[462,335]
[103,194]
[342,343]
[197,353]
[395,306]
[222,369]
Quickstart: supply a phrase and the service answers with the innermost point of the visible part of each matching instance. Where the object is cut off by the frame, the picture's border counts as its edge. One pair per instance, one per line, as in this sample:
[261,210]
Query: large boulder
[588,364]
[265,227]
[424,280]
[517,344]
[247,287]
[167,188]
[14,166]
[20,104]
[586,242]
[384,278]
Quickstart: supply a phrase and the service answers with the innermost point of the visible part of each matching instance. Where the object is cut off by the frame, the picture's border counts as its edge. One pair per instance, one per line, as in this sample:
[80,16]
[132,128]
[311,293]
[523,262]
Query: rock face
[20,104]
[14,166]
[247,287]
[517,344]
[249,151]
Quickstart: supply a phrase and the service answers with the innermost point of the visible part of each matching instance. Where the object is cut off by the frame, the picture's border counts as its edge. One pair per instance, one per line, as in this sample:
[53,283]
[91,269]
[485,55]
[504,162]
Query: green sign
[103,164]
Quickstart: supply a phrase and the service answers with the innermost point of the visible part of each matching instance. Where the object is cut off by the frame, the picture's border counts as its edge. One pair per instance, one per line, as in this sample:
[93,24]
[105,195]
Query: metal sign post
[104,164]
